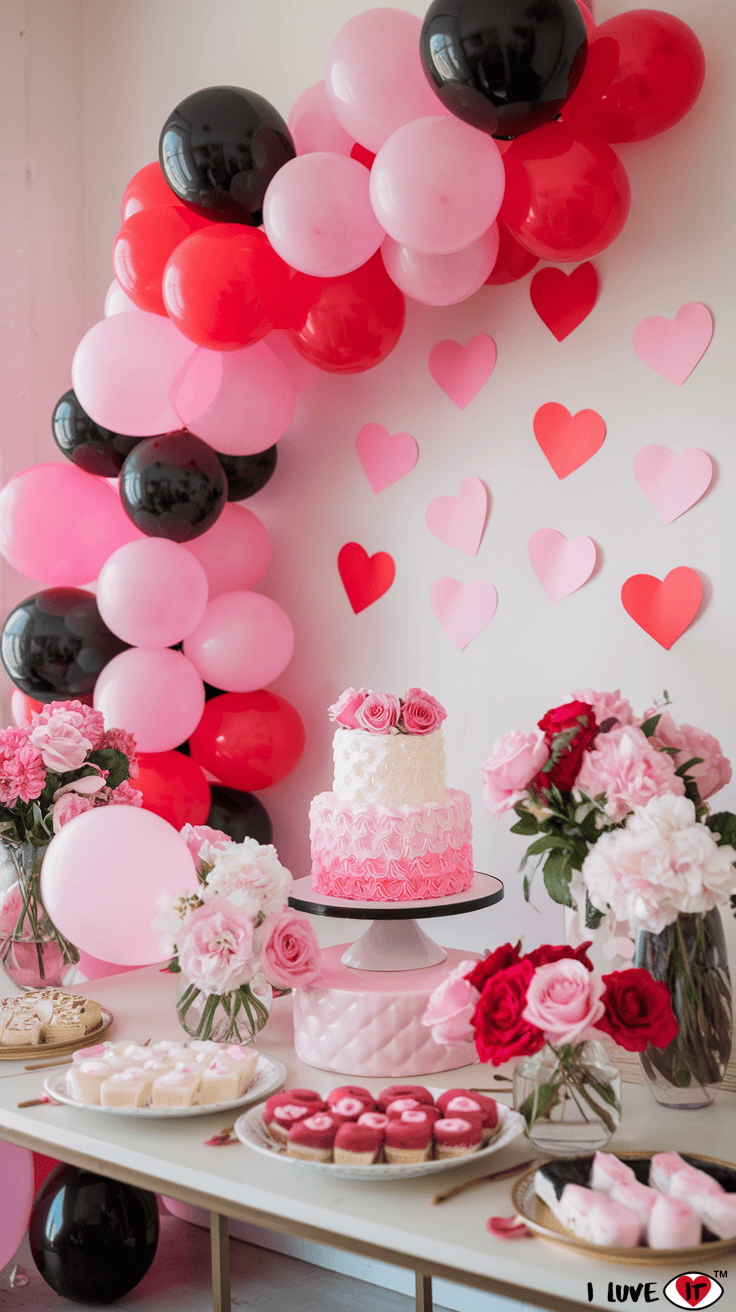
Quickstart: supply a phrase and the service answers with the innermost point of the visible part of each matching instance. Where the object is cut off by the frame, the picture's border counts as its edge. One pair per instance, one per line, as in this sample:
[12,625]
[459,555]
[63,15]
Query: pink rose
[90,723]
[625,766]
[215,947]
[68,806]
[421,713]
[378,713]
[62,746]
[714,772]
[343,711]
[198,836]
[564,1000]
[607,705]
[291,956]
[514,763]
[450,1009]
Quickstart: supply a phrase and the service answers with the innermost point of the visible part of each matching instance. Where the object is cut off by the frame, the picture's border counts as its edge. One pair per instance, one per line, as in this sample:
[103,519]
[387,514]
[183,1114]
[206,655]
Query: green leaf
[557,878]
[526,824]
[723,824]
[683,769]
[544,844]
[116,763]
[593,916]
[173,967]
[528,884]
[650,725]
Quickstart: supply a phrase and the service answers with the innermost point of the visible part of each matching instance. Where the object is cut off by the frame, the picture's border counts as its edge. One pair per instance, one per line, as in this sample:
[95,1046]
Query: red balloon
[225,287]
[174,787]
[512,261]
[147,188]
[22,706]
[249,740]
[346,325]
[567,194]
[643,73]
[142,247]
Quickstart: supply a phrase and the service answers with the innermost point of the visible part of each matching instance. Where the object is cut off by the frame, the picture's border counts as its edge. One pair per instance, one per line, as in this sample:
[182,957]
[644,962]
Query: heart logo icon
[693,1288]
[463,610]
[568,440]
[459,521]
[673,348]
[663,608]
[385,458]
[563,300]
[461,371]
[561,566]
[672,483]
[365,578]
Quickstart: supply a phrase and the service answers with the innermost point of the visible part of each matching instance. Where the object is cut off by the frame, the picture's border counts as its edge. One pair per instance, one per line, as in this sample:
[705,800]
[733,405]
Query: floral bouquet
[233,937]
[383,713]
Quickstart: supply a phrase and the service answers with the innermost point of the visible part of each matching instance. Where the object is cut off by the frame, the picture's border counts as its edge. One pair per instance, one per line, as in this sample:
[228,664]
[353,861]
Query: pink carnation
[714,772]
[514,763]
[421,713]
[451,1007]
[215,947]
[22,771]
[378,713]
[125,795]
[607,705]
[122,741]
[564,1000]
[291,956]
[343,710]
[68,806]
[62,745]
[90,722]
[625,766]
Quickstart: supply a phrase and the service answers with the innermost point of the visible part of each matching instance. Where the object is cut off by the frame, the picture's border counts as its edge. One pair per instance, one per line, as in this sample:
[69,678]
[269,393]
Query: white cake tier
[395,769]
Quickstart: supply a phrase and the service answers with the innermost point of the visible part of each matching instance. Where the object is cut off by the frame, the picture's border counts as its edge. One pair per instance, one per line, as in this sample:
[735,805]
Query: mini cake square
[177,1088]
[457,1136]
[408,1138]
[357,1145]
[312,1139]
[129,1087]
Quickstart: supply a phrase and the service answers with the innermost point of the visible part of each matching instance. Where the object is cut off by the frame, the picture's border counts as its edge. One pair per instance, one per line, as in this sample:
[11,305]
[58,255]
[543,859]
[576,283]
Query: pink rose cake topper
[417,712]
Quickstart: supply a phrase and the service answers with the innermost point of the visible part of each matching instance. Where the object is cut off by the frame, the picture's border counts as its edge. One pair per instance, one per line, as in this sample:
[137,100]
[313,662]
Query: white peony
[249,873]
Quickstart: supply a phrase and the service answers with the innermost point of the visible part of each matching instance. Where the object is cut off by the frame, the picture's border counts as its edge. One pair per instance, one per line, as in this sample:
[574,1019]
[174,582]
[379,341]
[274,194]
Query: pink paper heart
[461,371]
[561,566]
[459,521]
[673,348]
[672,483]
[463,610]
[385,457]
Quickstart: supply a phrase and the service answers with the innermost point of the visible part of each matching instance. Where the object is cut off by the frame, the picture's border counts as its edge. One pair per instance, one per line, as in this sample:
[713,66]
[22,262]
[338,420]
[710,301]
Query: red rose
[499,960]
[544,955]
[638,1010]
[500,1030]
[563,773]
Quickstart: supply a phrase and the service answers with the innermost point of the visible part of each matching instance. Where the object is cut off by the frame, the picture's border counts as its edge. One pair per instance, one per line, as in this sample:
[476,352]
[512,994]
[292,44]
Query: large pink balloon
[93,968]
[318,217]
[437,185]
[16,1197]
[58,524]
[152,593]
[302,371]
[233,553]
[243,643]
[374,79]
[103,875]
[117,301]
[313,125]
[253,406]
[441,279]
[137,374]
[154,693]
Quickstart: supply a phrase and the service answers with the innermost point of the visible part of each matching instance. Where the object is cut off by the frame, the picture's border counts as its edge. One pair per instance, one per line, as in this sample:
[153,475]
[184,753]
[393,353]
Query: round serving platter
[42,1050]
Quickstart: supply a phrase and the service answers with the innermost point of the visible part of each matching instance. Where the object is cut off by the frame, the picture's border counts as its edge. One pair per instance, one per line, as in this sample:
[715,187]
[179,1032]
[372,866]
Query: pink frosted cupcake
[401,1105]
[466,1103]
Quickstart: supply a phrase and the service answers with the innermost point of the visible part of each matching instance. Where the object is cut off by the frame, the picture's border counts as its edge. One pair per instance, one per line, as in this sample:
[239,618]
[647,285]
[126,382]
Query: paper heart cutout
[672,483]
[459,521]
[562,300]
[561,566]
[693,1288]
[365,578]
[385,458]
[663,608]
[463,610]
[673,347]
[568,440]
[461,371]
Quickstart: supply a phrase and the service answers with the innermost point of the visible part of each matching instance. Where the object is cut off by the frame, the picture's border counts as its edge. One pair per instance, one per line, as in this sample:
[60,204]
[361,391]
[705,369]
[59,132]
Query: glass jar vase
[32,951]
[235,1017]
[570,1098]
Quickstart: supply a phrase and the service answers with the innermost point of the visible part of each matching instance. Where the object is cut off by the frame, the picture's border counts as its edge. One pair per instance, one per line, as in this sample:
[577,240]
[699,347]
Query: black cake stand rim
[319,904]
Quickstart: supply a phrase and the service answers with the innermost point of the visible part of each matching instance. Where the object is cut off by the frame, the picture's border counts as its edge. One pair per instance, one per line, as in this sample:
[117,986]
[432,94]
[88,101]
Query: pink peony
[625,766]
[68,806]
[62,745]
[291,955]
[89,722]
[203,842]
[122,741]
[378,713]
[421,713]
[215,947]
[607,705]
[22,771]
[451,1007]
[564,1000]
[714,772]
[343,710]
[514,763]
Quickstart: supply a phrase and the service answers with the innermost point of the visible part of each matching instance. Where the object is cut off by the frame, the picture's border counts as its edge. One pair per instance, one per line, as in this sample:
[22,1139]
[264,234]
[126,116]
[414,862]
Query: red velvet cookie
[395,1091]
[457,1136]
[313,1137]
[357,1145]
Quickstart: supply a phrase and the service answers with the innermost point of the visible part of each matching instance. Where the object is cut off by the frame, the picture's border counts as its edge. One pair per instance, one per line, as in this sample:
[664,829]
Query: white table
[394,1223]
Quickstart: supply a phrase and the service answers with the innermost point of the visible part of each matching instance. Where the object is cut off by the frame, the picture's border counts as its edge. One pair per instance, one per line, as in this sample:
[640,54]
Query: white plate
[252,1132]
[270,1074]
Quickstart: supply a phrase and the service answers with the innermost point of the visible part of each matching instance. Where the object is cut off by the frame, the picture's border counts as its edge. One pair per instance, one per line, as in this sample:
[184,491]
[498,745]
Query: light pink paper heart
[461,371]
[561,566]
[459,521]
[463,610]
[672,483]
[673,348]
[385,457]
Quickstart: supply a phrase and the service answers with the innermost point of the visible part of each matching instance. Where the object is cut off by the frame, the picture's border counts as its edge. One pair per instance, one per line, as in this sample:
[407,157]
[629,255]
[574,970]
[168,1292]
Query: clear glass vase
[235,1017]
[570,1098]
[690,956]
[32,951]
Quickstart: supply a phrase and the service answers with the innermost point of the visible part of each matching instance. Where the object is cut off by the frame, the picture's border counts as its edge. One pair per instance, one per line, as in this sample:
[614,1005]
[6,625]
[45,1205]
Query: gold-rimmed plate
[44,1049]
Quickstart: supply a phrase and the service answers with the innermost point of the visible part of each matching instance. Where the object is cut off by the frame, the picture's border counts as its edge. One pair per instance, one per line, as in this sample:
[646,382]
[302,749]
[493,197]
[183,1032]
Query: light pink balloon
[253,406]
[233,553]
[441,279]
[58,525]
[93,968]
[16,1198]
[318,217]
[154,693]
[243,643]
[137,374]
[374,79]
[116,300]
[152,593]
[437,185]
[302,372]
[103,875]
[313,125]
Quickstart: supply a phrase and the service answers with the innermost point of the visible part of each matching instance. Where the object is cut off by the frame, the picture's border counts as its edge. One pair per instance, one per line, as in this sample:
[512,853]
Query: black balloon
[219,150]
[55,643]
[94,449]
[173,486]
[247,474]
[92,1239]
[504,66]
[240,815]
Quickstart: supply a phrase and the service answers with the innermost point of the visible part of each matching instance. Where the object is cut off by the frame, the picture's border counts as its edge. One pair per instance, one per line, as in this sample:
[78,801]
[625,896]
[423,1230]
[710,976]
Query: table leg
[220,1249]
[423,1292]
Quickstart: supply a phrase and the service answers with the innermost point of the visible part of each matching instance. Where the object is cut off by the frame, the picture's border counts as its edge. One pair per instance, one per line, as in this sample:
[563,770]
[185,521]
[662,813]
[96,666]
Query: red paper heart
[693,1288]
[365,578]
[563,300]
[568,440]
[663,609]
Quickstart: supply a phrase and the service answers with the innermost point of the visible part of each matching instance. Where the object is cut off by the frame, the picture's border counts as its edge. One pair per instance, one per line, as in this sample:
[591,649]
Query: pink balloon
[16,1197]
[154,693]
[254,405]
[302,372]
[437,185]
[94,968]
[243,643]
[58,525]
[117,301]
[313,125]
[136,373]
[441,279]
[103,875]
[374,79]
[152,593]
[233,553]
[318,217]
